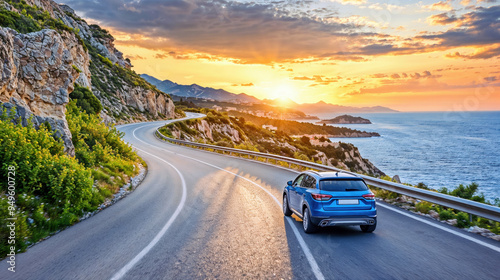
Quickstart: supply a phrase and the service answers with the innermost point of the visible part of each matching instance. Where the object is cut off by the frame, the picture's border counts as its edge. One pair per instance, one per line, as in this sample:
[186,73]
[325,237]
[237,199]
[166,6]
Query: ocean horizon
[439,149]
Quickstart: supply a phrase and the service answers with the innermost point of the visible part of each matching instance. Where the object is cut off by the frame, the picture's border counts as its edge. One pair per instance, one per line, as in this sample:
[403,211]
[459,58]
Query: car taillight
[369,196]
[321,197]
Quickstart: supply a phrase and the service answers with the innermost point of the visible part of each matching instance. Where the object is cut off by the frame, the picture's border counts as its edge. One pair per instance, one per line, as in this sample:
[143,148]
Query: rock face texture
[39,70]
[206,131]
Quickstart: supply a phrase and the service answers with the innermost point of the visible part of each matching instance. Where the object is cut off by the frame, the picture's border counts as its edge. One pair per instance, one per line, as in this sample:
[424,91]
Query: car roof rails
[314,171]
[341,171]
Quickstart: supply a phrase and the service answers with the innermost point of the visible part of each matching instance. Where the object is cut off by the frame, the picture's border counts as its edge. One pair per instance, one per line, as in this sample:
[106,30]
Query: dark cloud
[491,79]
[250,32]
[275,31]
[135,57]
[476,28]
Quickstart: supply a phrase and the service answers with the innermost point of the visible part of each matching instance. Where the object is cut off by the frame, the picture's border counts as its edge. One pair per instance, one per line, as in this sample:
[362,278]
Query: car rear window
[340,185]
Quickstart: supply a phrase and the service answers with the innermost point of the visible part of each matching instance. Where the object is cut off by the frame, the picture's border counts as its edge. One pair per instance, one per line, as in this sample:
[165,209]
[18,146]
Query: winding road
[201,215]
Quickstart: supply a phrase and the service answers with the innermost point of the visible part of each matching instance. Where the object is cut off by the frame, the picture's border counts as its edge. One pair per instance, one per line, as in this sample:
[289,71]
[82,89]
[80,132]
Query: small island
[346,119]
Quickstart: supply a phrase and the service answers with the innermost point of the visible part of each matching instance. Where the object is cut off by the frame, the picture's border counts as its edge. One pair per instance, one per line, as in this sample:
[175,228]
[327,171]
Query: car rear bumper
[345,221]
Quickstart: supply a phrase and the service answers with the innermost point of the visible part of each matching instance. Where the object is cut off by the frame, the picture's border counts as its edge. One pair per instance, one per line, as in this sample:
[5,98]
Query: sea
[439,149]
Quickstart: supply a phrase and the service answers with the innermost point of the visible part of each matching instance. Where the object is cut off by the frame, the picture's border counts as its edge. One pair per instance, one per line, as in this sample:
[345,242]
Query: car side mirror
[290,183]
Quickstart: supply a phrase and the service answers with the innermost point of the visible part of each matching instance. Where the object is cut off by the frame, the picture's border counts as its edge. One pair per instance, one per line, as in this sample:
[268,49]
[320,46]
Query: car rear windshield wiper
[351,190]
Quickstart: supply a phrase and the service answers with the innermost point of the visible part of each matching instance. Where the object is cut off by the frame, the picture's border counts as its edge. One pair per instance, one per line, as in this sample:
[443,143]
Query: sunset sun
[284,93]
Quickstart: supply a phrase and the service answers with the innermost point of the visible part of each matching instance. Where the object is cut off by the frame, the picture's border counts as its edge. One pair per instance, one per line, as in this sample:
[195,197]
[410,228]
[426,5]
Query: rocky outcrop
[68,16]
[122,100]
[346,119]
[130,103]
[38,72]
[224,131]
[211,132]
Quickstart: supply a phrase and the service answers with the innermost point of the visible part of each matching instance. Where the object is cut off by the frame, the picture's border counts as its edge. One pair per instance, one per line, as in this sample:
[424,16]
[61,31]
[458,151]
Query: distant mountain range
[198,91]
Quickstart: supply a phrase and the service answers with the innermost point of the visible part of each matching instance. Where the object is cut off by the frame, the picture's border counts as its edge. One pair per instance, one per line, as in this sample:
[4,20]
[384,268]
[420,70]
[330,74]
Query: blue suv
[330,199]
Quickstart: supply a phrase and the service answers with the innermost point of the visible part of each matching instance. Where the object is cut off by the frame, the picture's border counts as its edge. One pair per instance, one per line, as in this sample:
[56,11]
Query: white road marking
[312,262]
[162,232]
[310,258]
[495,248]
[307,252]
[402,212]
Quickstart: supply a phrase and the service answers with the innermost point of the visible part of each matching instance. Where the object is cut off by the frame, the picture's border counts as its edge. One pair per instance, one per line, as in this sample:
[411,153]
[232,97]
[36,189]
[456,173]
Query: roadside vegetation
[54,190]
[452,216]
[255,138]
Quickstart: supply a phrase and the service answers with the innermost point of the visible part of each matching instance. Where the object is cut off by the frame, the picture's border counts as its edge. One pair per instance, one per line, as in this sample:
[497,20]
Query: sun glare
[283,93]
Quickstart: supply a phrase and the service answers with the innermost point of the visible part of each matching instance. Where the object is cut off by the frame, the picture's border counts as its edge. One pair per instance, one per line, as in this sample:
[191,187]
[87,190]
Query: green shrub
[53,190]
[76,68]
[43,171]
[86,100]
[423,207]
[468,192]
[106,61]
[20,23]
[462,220]
[446,215]
[385,194]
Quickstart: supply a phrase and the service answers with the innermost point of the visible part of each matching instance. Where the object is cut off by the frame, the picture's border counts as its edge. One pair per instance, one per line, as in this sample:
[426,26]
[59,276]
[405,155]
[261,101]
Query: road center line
[162,232]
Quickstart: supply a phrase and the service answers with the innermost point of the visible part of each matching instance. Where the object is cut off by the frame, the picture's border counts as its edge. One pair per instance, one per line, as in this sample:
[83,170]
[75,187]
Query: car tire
[286,208]
[369,228]
[309,227]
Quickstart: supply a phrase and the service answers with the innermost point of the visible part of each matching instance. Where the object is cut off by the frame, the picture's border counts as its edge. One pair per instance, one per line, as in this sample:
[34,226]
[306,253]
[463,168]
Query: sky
[406,55]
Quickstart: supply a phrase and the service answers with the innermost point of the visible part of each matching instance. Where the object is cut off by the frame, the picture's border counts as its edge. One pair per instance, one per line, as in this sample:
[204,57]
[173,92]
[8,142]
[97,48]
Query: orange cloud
[440,6]
[480,53]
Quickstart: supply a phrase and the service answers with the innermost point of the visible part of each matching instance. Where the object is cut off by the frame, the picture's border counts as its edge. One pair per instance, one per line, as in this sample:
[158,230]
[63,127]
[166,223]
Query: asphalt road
[200,215]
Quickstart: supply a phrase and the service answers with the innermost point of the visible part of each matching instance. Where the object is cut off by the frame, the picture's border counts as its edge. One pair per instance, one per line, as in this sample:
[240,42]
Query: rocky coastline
[346,119]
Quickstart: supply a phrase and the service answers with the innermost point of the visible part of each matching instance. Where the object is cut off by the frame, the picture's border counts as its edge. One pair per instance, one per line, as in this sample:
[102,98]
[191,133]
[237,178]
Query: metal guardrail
[464,205]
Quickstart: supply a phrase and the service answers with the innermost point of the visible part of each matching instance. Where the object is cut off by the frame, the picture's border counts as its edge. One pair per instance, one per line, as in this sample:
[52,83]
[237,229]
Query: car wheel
[286,209]
[309,227]
[369,228]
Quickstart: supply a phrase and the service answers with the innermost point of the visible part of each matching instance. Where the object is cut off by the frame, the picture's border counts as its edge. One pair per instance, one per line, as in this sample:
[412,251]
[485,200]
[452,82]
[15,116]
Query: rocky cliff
[58,49]
[38,75]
